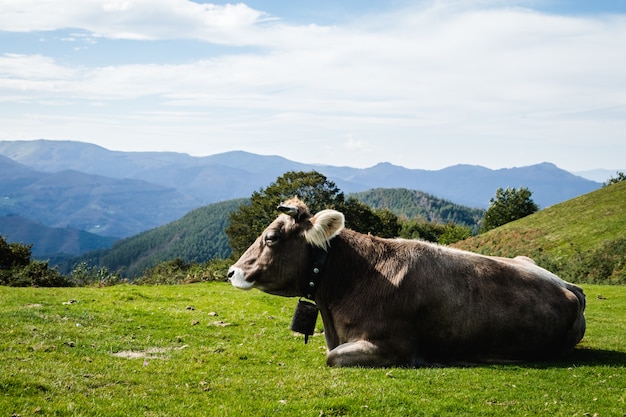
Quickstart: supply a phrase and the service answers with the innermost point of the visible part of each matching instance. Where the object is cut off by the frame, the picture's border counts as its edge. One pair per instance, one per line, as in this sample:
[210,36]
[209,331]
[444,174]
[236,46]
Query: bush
[84,275]
[444,234]
[453,233]
[34,274]
[179,271]
[213,270]
[606,265]
[614,180]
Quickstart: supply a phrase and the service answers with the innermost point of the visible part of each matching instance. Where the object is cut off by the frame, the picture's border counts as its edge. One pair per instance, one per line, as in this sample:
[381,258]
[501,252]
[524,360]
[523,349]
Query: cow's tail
[577,331]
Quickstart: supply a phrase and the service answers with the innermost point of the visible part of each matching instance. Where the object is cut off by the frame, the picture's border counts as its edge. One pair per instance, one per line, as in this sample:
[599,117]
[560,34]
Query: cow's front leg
[363,353]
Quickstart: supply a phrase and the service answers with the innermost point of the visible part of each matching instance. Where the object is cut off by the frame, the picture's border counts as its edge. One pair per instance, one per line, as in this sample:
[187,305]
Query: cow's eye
[272,237]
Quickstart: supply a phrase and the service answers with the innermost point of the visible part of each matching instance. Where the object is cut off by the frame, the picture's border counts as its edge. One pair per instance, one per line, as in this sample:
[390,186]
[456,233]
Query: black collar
[312,282]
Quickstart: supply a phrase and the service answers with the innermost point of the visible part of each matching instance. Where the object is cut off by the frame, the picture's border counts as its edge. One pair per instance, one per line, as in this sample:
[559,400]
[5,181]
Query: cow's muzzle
[237,279]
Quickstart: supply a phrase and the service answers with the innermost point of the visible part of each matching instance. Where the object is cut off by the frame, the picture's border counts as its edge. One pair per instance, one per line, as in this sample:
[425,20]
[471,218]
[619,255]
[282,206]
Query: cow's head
[281,256]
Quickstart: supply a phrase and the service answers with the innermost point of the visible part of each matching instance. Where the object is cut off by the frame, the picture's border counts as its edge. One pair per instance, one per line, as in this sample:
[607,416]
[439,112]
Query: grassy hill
[583,239]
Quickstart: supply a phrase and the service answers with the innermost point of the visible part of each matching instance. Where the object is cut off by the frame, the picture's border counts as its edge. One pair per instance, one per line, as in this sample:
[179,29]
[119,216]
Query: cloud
[408,64]
[438,71]
[134,19]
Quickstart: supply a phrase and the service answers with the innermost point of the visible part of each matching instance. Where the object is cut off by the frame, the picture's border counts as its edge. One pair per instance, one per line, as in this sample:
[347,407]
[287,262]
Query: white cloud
[353,145]
[32,68]
[133,19]
[447,72]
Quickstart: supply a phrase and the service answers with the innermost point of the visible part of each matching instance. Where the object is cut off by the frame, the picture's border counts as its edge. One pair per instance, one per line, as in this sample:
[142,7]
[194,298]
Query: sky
[422,84]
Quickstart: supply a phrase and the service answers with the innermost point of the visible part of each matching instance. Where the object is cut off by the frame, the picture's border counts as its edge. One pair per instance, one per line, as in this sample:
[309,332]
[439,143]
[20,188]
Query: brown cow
[397,302]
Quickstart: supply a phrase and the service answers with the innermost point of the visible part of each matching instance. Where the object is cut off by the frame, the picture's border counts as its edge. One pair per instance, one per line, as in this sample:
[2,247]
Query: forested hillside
[413,204]
[197,237]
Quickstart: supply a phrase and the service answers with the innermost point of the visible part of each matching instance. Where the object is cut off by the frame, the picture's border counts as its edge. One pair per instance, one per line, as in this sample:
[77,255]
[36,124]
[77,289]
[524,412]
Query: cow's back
[451,304]
[483,308]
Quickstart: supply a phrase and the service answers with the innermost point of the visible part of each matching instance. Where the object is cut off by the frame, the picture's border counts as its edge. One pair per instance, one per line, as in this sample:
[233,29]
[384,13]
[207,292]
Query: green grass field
[210,350]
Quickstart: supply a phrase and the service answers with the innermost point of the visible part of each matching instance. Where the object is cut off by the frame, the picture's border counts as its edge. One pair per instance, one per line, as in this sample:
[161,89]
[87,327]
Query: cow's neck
[310,285]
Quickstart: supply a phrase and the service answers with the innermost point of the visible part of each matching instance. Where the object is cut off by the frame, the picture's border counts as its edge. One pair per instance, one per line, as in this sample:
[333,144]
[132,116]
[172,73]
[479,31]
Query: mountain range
[77,185]
[50,241]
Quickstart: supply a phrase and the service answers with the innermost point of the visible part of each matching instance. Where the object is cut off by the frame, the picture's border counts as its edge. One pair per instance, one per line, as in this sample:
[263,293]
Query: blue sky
[422,84]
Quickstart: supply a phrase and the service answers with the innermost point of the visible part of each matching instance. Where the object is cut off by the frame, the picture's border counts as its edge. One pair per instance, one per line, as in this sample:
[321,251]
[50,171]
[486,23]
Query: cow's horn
[290,210]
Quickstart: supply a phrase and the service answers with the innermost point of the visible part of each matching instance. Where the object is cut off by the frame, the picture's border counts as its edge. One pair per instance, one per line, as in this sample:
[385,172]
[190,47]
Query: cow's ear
[290,210]
[326,225]
[295,208]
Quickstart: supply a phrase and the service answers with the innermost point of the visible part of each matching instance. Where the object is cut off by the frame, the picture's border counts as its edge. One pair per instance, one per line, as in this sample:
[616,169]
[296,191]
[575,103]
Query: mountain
[474,186]
[111,193]
[49,242]
[206,179]
[238,174]
[101,205]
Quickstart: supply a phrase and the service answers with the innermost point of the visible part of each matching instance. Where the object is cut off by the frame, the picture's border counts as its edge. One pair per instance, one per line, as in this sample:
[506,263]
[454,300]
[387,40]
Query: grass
[210,350]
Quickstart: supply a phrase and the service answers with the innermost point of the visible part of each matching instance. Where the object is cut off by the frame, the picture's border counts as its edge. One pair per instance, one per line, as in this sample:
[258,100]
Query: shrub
[607,264]
[453,233]
[34,274]
[614,180]
[84,275]
[179,271]
[213,270]
[18,270]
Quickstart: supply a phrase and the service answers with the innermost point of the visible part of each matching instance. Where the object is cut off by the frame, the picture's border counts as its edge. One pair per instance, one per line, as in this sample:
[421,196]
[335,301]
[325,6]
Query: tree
[434,232]
[360,217]
[453,233]
[508,205]
[249,221]
[318,193]
[614,180]
[14,255]
[18,270]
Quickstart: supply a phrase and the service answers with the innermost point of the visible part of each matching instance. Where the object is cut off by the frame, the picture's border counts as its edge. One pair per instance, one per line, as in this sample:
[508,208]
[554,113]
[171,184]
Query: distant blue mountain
[66,183]
[51,241]
[97,204]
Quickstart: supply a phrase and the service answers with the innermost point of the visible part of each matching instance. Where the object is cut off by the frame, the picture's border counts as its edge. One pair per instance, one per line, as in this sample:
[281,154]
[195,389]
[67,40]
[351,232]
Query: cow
[411,303]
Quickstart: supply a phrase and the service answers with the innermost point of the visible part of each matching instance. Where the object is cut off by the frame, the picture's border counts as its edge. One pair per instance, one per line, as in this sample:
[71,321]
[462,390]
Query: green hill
[413,204]
[197,237]
[582,239]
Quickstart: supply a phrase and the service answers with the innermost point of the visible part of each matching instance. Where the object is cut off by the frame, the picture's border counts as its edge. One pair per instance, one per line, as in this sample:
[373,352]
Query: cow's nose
[237,278]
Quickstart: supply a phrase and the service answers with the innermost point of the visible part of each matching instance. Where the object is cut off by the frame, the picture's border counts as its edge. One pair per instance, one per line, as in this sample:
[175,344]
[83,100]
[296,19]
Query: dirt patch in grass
[151,353]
